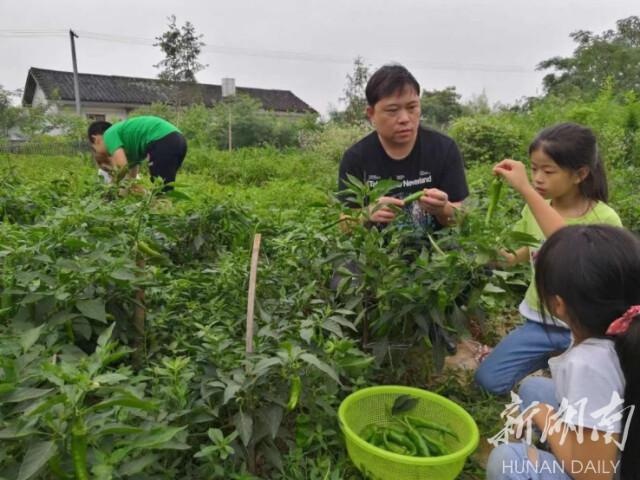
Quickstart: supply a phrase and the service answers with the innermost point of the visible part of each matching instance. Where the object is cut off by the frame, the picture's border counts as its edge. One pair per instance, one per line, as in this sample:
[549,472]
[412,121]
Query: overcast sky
[308,46]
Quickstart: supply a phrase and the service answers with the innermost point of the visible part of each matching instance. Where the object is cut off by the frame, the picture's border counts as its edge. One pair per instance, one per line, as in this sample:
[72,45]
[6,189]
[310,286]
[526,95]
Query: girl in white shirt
[589,277]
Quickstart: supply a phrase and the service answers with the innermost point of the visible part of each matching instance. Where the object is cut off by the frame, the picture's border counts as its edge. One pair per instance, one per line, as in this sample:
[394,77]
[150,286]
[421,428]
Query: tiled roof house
[113,97]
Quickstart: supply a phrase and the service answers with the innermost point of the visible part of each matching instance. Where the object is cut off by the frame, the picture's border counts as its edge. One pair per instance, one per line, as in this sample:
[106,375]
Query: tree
[477,105]
[440,107]
[8,113]
[181,47]
[354,94]
[614,54]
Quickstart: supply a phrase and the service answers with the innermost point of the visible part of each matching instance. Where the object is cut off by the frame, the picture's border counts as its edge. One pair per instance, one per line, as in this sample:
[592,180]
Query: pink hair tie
[620,325]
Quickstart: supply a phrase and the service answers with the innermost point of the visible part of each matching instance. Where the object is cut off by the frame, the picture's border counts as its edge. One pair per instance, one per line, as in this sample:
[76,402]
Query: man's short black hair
[388,80]
[97,128]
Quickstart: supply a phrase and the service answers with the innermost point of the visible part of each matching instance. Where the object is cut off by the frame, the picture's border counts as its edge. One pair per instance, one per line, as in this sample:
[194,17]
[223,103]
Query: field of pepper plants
[123,317]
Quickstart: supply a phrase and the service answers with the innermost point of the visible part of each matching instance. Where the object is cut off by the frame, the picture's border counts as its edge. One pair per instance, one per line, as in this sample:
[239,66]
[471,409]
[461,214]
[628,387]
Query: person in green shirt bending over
[125,145]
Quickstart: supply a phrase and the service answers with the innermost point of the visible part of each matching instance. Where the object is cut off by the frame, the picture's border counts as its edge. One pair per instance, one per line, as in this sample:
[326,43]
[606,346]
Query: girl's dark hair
[97,128]
[595,269]
[388,80]
[572,147]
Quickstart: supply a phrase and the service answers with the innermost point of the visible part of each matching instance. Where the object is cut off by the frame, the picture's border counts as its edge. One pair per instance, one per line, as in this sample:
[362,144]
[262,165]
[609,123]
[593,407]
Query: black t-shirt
[434,162]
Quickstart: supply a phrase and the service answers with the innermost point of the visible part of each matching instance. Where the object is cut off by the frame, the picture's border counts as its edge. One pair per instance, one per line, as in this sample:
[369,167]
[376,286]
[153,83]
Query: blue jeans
[525,350]
[538,389]
[511,461]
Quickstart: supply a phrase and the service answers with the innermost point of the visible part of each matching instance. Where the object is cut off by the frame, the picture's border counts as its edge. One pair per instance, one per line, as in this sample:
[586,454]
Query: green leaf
[230,392]
[156,437]
[124,401]
[244,426]
[30,337]
[118,429]
[110,378]
[174,445]
[206,451]
[523,239]
[491,288]
[332,326]
[45,405]
[178,195]
[11,433]
[6,387]
[36,457]
[344,322]
[306,334]
[273,418]
[320,365]
[273,456]
[123,274]
[82,326]
[106,335]
[139,464]
[265,364]
[93,308]
[25,393]
[403,403]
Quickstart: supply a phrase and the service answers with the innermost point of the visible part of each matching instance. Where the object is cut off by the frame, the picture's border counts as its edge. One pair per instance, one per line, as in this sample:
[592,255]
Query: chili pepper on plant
[79,449]
[495,189]
[294,392]
[145,248]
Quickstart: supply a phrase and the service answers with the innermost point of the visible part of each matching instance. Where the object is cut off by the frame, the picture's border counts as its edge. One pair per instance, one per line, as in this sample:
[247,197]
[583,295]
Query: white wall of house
[112,113]
[39,98]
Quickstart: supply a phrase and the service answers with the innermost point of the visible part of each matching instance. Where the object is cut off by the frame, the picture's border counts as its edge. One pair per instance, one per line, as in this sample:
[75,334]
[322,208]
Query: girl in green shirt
[568,186]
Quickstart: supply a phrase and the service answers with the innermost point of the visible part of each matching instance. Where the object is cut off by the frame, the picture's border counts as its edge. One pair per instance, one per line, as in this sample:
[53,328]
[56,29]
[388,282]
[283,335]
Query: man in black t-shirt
[400,149]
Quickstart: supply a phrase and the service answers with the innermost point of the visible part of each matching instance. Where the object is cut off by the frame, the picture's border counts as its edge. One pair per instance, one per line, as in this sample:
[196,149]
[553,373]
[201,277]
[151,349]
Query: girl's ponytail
[594,186]
[628,347]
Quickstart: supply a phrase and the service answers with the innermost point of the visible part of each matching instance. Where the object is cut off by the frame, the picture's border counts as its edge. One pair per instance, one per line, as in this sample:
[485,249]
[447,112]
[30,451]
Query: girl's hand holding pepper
[513,172]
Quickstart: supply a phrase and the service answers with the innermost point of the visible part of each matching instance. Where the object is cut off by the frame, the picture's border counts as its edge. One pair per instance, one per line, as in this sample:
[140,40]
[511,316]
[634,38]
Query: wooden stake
[253,273]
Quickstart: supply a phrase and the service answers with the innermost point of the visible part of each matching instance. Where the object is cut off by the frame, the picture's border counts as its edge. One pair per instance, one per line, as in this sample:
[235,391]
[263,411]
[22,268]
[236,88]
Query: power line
[276,54]
[34,33]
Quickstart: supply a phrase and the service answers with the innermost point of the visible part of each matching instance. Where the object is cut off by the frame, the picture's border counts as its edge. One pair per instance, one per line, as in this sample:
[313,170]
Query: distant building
[112,98]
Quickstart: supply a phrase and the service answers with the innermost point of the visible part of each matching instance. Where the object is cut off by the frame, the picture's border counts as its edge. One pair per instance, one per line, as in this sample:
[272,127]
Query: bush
[250,125]
[488,139]
[331,141]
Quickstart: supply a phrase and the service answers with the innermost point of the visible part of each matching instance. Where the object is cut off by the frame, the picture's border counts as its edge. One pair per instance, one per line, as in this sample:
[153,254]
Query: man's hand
[380,212]
[434,202]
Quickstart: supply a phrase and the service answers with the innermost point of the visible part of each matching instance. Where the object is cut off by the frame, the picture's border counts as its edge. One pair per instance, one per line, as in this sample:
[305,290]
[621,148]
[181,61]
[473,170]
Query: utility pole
[76,85]
[228,89]
[229,128]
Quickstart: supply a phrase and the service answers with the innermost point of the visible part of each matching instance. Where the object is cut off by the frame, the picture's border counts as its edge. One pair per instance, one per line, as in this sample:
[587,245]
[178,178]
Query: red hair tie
[620,325]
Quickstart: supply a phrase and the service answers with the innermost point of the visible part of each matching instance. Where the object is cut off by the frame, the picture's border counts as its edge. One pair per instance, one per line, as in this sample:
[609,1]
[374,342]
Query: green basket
[373,405]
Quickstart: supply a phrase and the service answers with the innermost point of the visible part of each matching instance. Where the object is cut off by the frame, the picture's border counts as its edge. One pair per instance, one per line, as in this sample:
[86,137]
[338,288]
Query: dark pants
[166,156]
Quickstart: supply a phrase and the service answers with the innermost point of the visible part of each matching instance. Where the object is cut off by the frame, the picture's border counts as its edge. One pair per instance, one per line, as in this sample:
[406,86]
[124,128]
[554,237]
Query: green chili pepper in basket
[368,432]
[418,441]
[436,447]
[418,422]
[392,446]
[403,440]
